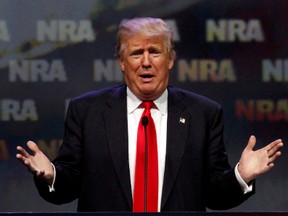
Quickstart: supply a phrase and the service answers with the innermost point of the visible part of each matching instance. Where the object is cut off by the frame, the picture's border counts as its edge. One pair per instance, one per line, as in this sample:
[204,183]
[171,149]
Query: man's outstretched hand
[37,163]
[254,163]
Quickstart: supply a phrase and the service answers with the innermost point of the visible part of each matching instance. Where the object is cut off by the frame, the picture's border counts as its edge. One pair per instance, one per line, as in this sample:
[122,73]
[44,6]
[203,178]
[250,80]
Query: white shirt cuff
[51,187]
[244,186]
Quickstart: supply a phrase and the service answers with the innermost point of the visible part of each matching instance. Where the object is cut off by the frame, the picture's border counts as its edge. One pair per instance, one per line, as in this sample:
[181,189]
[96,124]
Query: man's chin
[150,94]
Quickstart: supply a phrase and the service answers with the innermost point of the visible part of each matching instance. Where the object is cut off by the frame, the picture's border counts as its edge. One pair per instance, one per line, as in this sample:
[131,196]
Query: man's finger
[275,150]
[32,146]
[275,144]
[22,152]
[251,143]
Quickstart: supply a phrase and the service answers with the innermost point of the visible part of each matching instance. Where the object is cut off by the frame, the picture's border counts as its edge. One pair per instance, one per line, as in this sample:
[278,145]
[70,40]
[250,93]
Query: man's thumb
[251,142]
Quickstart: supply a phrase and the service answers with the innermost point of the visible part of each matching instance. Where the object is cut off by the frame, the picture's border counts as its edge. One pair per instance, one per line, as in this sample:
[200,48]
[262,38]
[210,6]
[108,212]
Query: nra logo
[262,110]
[65,30]
[275,70]
[234,30]
[206,70]
[15,110]
[37,70]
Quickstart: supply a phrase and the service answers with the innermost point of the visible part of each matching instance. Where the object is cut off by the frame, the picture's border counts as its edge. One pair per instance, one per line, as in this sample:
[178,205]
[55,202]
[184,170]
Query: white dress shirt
[159,116]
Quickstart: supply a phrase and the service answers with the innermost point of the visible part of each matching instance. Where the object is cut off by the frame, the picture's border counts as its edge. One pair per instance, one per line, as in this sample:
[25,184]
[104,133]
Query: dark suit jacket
[93,161]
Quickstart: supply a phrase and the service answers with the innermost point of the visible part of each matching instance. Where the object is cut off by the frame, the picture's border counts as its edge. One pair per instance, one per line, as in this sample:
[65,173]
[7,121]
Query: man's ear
[121,64]
[171,63]
[171,60]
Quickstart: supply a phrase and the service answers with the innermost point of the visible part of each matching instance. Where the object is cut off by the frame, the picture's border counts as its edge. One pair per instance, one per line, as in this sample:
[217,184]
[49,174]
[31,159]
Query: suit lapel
[116,121]
[115,115]
[177,129]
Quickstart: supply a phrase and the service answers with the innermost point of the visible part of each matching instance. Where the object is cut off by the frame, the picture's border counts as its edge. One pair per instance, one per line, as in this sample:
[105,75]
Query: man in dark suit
[96,163]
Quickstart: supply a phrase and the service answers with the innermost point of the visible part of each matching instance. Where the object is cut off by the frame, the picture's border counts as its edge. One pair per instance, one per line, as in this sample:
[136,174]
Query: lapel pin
[182,120]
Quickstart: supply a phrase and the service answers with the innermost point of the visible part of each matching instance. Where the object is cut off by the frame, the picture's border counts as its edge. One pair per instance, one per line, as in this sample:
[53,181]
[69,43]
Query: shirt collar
[133,102]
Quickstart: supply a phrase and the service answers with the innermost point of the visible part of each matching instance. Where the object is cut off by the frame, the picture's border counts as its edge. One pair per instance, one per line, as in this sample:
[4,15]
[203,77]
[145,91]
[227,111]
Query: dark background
[232,72]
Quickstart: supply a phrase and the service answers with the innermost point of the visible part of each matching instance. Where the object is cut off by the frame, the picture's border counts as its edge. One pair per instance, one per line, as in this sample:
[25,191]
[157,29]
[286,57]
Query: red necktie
[146,172]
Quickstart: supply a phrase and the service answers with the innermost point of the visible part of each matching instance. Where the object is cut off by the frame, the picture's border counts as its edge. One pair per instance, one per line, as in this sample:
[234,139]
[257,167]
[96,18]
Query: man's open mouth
[146,76]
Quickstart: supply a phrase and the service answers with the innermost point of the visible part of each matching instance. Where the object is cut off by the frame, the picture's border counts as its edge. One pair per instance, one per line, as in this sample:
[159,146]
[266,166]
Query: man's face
[145,64]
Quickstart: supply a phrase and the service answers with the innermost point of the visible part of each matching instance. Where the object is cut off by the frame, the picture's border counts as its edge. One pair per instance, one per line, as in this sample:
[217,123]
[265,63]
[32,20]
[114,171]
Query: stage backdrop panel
[233,51]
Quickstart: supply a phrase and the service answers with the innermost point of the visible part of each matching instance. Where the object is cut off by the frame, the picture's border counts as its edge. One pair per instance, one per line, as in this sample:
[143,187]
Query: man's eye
[156,53]
[135,55]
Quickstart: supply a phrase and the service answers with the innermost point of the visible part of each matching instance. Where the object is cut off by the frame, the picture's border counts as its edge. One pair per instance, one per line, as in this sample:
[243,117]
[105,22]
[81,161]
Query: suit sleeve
[223,191]
[67,163]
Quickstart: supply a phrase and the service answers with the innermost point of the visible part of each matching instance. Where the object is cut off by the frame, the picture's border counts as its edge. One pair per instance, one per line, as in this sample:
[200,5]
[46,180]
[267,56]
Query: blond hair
[147,26]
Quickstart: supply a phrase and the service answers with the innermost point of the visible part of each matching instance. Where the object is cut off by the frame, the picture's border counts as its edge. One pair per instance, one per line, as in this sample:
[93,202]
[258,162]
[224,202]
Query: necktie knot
[147,104]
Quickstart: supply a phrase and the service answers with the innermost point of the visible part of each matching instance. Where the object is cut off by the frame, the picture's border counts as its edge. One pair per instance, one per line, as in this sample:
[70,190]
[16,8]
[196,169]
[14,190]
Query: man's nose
[146,62]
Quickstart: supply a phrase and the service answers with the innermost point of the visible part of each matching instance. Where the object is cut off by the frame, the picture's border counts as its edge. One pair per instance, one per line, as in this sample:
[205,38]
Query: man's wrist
[246,187]
[51,185]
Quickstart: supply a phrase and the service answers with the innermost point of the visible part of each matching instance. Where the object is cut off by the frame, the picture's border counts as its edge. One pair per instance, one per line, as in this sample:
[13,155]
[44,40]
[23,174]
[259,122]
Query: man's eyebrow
[140,50]
[154,48]
[136,51]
